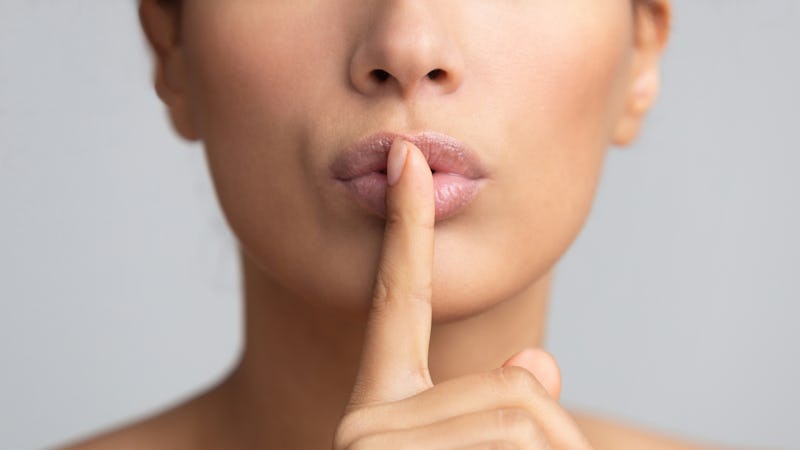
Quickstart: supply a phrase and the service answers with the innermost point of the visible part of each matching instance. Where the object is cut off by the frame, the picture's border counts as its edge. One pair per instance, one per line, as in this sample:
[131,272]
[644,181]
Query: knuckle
[385,279]
[382,289]
[340,439]
[520,381]
[398,218]
[394,218]
[351,427]
[392,285]
[518,424]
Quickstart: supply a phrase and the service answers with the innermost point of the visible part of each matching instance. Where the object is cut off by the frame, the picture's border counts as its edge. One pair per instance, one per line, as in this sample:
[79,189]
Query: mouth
[458,174]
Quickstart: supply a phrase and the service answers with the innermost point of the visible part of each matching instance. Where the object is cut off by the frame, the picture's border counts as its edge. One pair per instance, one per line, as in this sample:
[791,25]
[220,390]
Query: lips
[457,172]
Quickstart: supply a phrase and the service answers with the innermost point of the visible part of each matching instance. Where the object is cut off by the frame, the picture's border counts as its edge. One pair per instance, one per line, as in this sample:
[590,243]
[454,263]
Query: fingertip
[404,157]
[418,164]
[410,193]
[396,161]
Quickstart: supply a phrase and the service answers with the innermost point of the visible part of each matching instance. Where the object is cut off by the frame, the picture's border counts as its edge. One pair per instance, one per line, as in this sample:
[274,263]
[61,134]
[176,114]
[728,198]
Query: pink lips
[457,173]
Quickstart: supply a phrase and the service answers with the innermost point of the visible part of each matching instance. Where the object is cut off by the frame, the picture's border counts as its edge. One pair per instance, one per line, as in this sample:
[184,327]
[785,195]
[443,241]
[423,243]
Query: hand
[394,404]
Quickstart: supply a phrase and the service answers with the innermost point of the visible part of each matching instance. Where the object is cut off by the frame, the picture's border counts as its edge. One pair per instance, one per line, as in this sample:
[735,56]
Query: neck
[300,359]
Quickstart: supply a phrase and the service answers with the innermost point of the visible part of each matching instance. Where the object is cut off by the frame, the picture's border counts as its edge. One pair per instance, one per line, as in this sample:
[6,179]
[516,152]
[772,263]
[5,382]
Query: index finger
[394,359]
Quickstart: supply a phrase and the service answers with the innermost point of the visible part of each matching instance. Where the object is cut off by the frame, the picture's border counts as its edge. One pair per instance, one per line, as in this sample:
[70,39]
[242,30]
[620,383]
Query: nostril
[380,75]
[435,73]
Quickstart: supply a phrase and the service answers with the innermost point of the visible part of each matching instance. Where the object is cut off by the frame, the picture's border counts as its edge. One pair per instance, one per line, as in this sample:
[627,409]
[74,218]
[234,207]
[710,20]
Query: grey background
[119,285]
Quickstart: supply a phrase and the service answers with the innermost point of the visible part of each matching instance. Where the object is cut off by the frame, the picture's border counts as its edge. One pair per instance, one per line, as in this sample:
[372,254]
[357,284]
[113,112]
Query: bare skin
[407,333]
[390,397]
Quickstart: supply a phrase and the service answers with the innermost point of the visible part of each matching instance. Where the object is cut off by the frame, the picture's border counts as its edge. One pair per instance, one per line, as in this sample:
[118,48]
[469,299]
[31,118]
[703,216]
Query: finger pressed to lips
[394,402]
[394,361]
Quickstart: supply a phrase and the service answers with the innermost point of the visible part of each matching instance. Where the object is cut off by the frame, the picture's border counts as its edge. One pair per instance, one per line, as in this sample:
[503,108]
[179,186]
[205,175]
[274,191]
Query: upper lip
[443,152]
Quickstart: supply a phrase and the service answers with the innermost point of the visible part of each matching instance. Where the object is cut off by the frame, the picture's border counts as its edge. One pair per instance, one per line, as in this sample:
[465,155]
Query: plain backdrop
[675,309]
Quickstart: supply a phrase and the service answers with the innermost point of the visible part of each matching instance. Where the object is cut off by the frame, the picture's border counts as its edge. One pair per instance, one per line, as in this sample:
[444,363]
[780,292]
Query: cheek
[574,93]
[254,112]
[541,108]
[554,102]
[254,63]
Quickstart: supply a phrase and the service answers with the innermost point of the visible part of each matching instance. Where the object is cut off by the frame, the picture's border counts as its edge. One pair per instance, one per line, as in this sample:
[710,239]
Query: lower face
[536,90]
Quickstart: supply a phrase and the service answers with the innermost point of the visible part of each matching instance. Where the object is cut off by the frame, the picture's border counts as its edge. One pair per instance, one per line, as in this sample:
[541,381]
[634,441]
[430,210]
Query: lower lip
[452,192]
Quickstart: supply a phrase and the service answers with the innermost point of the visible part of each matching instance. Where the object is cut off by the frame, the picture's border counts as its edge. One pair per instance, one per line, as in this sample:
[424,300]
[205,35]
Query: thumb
[542,365]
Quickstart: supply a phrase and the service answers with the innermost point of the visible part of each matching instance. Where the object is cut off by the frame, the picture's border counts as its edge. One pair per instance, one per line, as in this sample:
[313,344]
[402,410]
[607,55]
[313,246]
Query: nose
[406,50]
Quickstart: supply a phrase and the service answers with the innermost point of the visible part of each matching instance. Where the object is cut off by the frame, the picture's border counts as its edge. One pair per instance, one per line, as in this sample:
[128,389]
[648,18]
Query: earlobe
[160,24]
[652,31]
[645,90]
[641,96]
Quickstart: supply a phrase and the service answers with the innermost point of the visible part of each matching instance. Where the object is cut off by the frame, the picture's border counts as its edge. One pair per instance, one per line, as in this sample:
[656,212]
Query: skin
[365,333]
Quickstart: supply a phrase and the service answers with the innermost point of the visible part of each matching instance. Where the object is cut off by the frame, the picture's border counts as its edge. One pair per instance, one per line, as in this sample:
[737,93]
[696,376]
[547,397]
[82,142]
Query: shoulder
[606,434]
[151,433]
[174,428]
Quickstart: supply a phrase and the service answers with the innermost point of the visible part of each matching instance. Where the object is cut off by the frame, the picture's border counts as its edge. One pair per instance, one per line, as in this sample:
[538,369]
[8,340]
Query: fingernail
[396,161]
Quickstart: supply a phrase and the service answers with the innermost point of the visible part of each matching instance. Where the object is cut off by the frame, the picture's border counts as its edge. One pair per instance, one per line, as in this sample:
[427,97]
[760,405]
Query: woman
[478,129]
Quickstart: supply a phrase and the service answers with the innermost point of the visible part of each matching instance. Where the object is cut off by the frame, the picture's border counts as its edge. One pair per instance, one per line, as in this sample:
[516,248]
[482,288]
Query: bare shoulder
[605,434]
[156,432]
[174,428]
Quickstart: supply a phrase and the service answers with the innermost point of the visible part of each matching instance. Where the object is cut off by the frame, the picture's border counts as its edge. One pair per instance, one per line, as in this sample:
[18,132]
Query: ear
[651,30]
[160,22]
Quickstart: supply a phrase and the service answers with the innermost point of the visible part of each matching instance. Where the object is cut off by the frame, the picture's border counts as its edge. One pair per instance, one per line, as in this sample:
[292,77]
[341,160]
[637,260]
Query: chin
[448,309]
[454,299]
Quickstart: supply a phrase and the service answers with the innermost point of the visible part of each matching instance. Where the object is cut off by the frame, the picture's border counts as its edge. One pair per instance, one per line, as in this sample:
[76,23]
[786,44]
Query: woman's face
[277,89]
